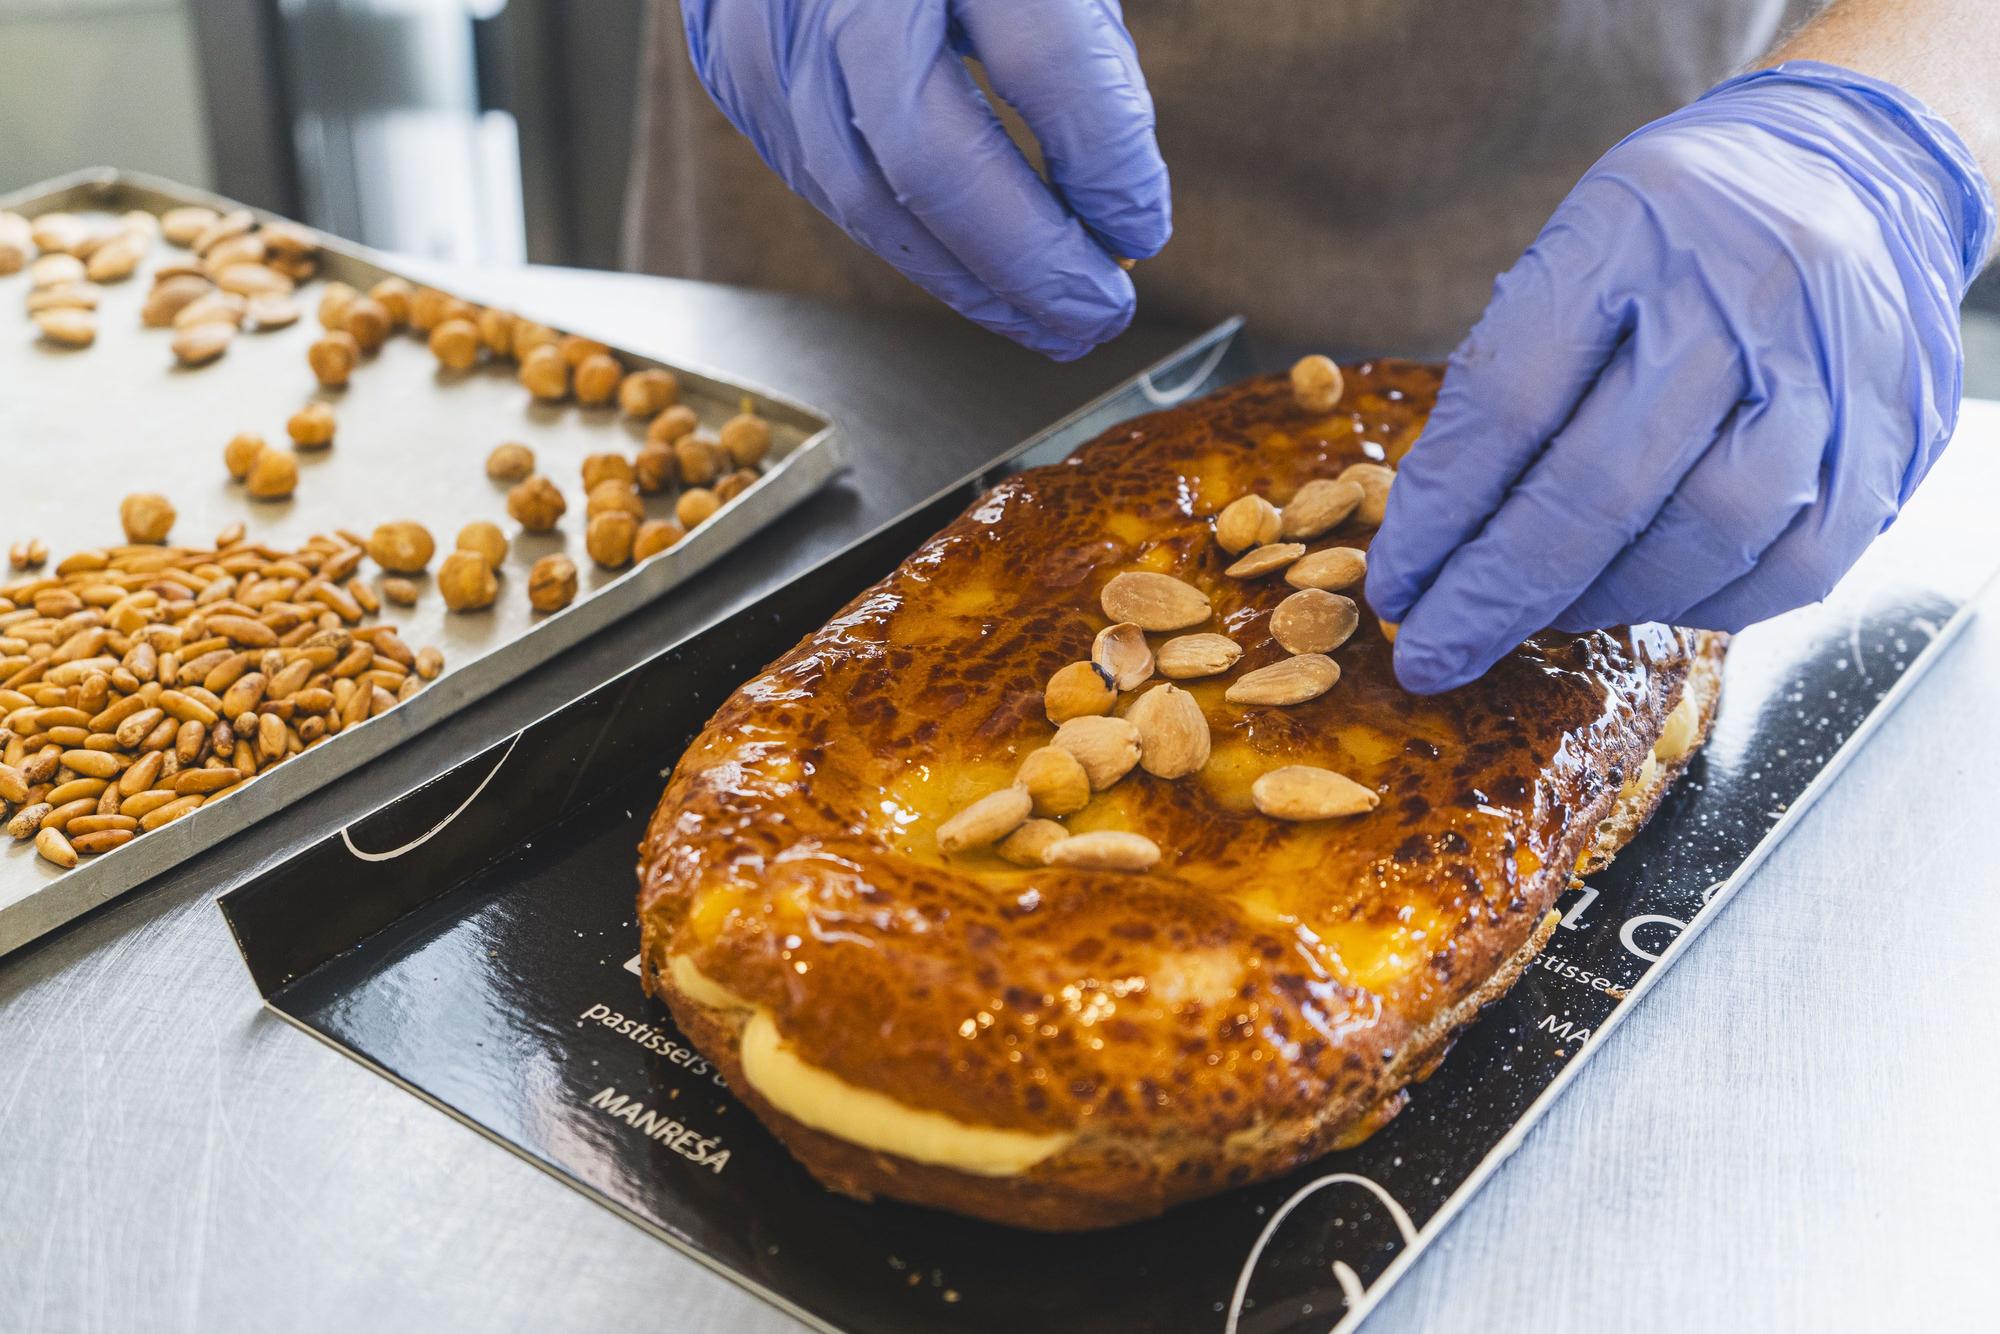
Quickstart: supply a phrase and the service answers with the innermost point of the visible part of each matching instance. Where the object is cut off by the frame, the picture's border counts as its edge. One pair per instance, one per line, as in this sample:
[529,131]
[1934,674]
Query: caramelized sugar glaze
[1268,988]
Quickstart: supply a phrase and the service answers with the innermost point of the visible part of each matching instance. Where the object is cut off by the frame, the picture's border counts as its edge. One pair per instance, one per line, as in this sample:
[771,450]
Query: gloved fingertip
[1073,324]
[1139,232]
[1589,612]
[1066,351]
[1389,596]
[1423,670]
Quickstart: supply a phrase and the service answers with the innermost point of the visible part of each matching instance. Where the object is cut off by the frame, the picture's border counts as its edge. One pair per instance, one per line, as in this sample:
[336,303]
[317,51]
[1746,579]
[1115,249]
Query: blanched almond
[1260,561]
[1246,522]
[1106,747]
[1188,656]
[1290,681]
[986,821]
[1317,383]
[1173,734]
[248,280]
[1077,691]
[1304,792]
[1029,845]
[272,310]
[1332,569]
[67,326]
[212,308]
[116,259]
[54,269]
[199,344]
[1054,780]
[224,227]
[1105,850]
[1320,506]
[1122,652]
[63,233]
[1314,621]
[1154,602]
[182,225]
[1374,480]
[78,296]
[171,297]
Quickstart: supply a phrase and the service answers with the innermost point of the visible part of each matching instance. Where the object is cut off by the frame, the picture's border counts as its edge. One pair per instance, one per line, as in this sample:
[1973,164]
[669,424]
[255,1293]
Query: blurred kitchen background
[468,131]
[478,131]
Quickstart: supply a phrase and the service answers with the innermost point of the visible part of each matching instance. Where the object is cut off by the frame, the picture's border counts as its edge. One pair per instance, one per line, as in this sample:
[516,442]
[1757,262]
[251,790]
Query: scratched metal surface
[119,416]
[1791,1132]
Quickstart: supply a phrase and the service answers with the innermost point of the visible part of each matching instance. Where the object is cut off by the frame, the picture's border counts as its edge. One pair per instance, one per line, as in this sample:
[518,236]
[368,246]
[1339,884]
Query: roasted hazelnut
[648,393]
[333,358]
[240,453]
[735,485]
[552,583]
[393,295]
[1077,691]
[455,343]
[526,335]
[746,438]
[311,427]
[147,517]
[274,474]
[496,331]
[466,582]
[695,505]
[1317,383]
[544,374]
[699,459]
[368,324]
[597,377]
[333,304]
[1055,780]
[656,468]
[609,537]
[536,504]
[671,425]
[429,308]
[613,494]
[510,463]
[606,467]
[484,538]
[655,536]
[576,349]
[402,547]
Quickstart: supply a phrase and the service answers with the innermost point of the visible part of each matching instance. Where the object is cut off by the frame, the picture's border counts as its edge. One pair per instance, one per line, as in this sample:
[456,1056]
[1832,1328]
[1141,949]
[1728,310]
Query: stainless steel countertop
[1790,1132]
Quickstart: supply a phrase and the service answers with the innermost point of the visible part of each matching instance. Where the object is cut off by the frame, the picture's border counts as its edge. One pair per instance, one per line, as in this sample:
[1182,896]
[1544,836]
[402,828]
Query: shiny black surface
[487,968]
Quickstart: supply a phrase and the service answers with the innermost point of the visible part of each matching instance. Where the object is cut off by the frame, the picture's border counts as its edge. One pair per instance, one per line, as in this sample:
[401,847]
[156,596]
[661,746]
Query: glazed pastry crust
[1263,996]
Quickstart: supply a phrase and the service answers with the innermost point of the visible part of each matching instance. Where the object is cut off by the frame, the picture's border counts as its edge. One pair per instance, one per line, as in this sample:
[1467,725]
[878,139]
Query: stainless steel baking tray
[80,429]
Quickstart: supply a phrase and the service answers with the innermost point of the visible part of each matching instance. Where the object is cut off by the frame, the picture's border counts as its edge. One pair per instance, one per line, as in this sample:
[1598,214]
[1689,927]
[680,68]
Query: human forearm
[1941,51]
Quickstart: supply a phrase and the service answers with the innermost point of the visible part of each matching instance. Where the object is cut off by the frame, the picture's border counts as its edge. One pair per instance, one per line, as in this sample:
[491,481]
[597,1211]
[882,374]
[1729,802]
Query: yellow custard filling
[828,1103]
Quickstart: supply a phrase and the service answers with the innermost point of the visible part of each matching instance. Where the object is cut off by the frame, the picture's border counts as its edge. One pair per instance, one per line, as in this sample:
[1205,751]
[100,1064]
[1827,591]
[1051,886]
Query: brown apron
[1352,173]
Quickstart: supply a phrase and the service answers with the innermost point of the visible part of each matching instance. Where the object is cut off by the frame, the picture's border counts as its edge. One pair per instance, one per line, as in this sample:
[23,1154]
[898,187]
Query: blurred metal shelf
[472,131]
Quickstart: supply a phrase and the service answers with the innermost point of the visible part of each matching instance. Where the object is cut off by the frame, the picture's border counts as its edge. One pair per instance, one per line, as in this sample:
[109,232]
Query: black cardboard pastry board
[474,941]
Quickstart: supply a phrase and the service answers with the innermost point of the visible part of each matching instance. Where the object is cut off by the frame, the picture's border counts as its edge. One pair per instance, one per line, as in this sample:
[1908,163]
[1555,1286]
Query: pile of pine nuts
[139,683]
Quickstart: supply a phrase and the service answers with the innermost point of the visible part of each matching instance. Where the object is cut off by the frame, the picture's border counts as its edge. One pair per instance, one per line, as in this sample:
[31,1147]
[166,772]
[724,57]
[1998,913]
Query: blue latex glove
[1716,376]
[865,109]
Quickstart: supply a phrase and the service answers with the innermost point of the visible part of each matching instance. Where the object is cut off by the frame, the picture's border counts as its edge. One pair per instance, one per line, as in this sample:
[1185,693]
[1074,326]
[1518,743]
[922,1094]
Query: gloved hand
[865,109]
[1716,376]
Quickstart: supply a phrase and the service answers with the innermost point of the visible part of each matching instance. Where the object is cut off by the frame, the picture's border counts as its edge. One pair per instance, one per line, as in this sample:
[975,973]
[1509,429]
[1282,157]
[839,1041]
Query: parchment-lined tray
[483,958]
[80,429]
